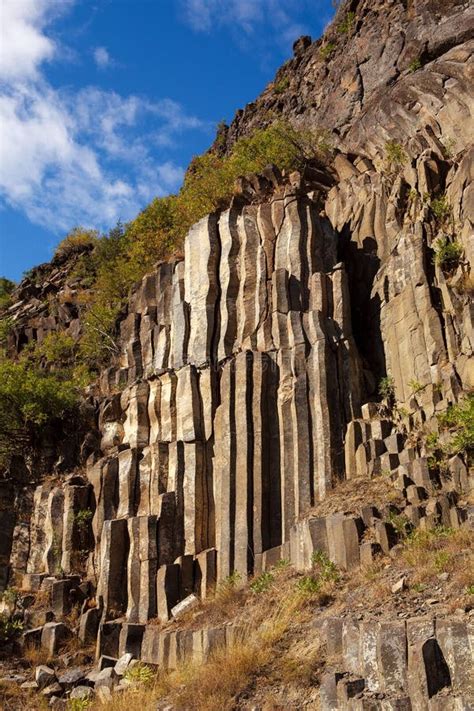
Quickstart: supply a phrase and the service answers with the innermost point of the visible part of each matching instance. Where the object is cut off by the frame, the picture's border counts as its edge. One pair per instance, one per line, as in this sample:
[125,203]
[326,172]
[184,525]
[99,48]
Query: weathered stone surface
[167,590]
[186,605]
[44,676]
[53,635]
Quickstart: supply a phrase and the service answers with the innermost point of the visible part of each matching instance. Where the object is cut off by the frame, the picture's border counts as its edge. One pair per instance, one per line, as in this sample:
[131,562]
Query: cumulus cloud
[83,157]
[23,43]
[102,58]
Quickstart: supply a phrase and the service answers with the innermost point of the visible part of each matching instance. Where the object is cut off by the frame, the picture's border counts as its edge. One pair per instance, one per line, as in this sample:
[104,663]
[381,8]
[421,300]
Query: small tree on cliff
[30,399]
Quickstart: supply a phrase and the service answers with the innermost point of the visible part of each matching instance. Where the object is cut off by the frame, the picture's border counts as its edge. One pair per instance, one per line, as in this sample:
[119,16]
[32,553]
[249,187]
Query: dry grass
[42,600]
[35,656]
[442,551]
[353,493]
[12,698]
[270,651]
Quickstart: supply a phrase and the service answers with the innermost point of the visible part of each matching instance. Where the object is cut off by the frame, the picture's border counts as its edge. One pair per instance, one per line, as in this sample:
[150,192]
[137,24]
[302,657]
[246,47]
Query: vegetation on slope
[41,386]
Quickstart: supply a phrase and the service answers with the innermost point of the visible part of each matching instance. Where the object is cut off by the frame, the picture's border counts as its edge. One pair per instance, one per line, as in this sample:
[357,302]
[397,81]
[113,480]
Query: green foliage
[98,341]
[325,568]
[9,628]
[395,155]
[459,421]
[6,325]
[414,65]
[6,288]
[10,596]
[447,253]
[416,386]
[387,388]
[419,538]
[261,583]
[327,50]
[78,704]
[30,399]
[432,441]
[308,585]
[78,239]
[440,208]
[281,86]
[57,348]
[83,518]
[282,564]
[139,674]
[400,523]
[345,27]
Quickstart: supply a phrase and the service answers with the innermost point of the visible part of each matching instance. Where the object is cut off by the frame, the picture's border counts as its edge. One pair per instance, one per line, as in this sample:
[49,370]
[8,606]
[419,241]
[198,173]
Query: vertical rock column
[202,254]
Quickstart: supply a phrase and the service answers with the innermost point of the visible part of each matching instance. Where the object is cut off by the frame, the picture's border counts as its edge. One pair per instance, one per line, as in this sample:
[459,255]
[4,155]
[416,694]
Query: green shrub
[77,240]
[261,583]
[345,26]
[308,585]
[440,208]
[400,523]
[387,388]
[57,348]
[9,628]
[139,674]
[395,155]
[281,86]
[459,421]
[414,65]
[416,386]
[327,50]
[78,704]
[83,518]
[30,399]
[325,568]
[447,254]
[6,288]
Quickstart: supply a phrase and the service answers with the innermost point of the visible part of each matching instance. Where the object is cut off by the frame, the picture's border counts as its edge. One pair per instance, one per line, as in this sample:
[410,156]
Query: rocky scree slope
[246,386]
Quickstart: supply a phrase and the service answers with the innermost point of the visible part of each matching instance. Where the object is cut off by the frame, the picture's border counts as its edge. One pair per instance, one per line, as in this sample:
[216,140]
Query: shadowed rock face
[245,384]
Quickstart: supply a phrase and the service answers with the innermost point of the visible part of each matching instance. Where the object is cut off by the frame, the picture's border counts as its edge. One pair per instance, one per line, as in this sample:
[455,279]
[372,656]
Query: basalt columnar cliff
[246,389]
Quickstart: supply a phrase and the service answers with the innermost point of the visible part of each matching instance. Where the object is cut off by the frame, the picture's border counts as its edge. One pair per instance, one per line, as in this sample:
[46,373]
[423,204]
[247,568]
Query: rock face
[248,372]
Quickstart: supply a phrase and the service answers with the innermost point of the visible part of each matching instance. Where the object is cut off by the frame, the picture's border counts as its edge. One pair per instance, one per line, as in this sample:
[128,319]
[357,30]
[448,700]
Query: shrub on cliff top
[157,233]
[76,241]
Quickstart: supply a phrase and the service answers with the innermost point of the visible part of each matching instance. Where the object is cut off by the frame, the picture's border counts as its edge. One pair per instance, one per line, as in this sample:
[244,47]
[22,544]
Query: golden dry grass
[216,684]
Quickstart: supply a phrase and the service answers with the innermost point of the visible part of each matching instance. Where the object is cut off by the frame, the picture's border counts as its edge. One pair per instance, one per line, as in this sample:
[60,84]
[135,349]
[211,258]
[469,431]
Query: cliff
[245,394]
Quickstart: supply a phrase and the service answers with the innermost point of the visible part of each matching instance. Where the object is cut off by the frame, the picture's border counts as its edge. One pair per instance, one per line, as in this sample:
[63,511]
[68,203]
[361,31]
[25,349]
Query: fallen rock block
[44,676]
[52,690]
[71,678]
[107,677]
[123,663]
[82,692]
[189,603]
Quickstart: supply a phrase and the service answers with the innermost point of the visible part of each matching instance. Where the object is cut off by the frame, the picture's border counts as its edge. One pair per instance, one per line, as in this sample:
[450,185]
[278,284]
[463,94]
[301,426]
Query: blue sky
[104,102]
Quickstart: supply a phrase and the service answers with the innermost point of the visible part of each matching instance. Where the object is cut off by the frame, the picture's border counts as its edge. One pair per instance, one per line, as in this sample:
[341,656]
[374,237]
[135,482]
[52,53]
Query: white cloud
[102,58]
[75,158]
[23,44]
[246,16]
